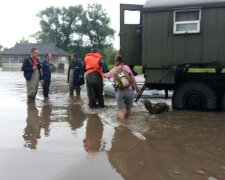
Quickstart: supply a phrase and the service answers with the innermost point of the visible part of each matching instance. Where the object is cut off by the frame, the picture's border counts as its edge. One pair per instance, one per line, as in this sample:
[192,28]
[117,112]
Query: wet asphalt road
[62,139]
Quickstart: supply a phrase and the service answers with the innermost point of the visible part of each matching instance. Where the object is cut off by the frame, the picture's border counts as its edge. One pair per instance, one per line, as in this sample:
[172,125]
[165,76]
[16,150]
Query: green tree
[60,26]
[95,27]
[109,54]
[75,29]
[23,40]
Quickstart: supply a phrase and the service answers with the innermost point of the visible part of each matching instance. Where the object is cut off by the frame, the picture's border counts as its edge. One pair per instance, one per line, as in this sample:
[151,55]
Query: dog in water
[155,108]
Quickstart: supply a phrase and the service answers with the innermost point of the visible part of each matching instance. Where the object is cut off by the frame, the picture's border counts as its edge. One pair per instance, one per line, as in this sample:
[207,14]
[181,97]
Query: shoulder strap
[30,60]
[121,67]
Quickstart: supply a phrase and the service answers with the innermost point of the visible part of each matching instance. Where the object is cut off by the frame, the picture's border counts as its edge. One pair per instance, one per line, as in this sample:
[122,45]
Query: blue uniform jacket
[46,70]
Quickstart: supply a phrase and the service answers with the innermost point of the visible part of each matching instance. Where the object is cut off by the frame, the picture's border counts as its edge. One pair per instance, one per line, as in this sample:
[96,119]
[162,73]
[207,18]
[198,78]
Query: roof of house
[24,49]
[161,4]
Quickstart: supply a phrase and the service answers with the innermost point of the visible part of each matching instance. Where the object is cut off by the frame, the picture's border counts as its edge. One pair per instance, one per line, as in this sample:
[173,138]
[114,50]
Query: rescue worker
[46,74]
[95,66]
[31,68]
[75,76]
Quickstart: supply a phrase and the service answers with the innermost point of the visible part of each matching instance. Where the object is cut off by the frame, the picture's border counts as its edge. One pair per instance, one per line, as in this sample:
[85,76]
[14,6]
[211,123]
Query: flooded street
[62,139]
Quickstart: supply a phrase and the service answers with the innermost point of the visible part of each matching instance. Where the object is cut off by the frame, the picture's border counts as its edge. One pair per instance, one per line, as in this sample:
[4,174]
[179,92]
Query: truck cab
[180,45]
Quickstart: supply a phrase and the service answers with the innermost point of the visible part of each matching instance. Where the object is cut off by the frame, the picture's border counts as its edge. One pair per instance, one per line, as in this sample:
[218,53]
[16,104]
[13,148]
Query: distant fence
[11,66]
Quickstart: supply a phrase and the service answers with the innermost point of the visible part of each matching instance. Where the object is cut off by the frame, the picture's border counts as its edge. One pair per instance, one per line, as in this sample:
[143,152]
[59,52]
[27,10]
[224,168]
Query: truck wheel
[194,96]
[223,102]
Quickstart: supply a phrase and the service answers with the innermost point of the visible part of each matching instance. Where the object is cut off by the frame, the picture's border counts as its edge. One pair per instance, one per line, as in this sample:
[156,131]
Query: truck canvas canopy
[171,4]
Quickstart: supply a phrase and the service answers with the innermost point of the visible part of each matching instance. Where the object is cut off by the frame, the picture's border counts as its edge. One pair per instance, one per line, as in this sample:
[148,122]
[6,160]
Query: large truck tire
[194,96]
[223,102]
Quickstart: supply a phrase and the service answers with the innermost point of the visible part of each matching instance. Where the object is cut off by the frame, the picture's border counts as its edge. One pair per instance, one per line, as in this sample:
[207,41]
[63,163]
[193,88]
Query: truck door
[130,33]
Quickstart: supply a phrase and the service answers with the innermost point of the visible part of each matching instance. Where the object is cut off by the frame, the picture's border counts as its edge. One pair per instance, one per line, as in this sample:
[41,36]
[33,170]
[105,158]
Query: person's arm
[134,82]
[27,67]
[39,67]
[82,68]
[111,73]
[68,75]
[43,69]
[108,75]
[104,66]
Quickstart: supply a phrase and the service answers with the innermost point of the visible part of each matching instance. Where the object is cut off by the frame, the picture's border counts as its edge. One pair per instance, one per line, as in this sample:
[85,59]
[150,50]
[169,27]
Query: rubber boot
[71,93]
[30,99]
[78,92]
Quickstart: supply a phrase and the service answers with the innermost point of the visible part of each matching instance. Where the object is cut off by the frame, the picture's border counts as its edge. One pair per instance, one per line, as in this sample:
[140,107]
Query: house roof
[24,49]
[164,4]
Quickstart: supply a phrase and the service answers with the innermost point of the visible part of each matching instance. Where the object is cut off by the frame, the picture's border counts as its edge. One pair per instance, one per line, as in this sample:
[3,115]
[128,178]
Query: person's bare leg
[121,114]
[128,112]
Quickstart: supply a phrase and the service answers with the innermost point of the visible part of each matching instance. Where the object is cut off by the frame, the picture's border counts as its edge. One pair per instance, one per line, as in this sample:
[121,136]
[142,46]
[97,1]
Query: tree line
[76,29]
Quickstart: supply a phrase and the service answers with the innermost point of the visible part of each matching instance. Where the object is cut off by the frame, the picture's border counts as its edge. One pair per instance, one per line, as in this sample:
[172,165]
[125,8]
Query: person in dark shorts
[124,96]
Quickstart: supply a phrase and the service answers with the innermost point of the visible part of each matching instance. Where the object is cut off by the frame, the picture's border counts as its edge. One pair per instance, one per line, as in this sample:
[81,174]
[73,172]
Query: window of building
[187,21]
[20,59]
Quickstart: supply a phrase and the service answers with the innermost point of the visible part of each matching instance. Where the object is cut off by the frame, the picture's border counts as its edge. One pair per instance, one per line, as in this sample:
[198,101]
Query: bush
[109,54]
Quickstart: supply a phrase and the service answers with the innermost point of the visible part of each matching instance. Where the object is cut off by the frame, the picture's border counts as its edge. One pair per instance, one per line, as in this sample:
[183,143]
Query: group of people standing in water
[92,71]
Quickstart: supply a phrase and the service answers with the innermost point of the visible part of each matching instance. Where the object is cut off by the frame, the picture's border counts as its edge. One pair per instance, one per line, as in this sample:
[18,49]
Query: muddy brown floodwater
[61,139]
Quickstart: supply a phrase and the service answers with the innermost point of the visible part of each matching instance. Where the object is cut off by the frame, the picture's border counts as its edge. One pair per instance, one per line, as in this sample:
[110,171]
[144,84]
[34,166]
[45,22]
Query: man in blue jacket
[31,68]
[46,74]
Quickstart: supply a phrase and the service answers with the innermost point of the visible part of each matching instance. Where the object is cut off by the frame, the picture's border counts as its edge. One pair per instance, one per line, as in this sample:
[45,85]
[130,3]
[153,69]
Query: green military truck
[181,47]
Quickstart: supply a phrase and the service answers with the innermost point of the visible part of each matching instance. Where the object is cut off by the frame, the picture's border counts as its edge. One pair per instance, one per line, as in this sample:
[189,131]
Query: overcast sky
[18,17]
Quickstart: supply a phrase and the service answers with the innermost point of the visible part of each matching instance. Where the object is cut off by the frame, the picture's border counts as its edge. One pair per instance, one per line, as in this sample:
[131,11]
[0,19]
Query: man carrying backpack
[124,84]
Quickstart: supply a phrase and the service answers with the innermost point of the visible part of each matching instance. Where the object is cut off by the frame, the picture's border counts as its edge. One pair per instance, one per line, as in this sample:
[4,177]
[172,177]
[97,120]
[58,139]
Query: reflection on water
[72,142]
[36,122]
[178,145]
[76,116]
[45,118]
[33,127]
[93,140]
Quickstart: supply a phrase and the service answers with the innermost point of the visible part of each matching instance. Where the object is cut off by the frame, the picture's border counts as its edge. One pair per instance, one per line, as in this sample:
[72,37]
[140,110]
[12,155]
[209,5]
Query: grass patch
[138,69]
